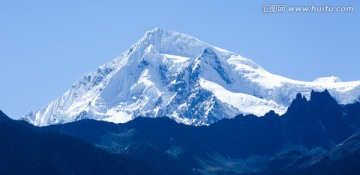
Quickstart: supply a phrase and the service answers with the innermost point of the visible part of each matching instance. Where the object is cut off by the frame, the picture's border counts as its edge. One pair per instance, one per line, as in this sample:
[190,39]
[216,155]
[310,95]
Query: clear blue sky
[45,46]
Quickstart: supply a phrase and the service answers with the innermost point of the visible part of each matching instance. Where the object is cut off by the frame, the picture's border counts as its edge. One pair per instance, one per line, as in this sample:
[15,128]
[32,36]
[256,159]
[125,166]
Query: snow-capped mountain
[171,74]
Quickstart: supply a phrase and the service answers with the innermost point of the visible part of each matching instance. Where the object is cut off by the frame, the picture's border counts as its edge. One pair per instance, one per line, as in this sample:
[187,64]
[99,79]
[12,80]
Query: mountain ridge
[299,141]
[167,73]
[26,149]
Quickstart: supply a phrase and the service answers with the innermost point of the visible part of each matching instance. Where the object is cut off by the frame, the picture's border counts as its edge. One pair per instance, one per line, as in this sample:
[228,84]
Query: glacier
[170,74]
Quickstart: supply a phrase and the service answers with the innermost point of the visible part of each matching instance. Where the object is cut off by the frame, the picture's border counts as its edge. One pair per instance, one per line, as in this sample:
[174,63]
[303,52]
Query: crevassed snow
[167,73]
[246,104]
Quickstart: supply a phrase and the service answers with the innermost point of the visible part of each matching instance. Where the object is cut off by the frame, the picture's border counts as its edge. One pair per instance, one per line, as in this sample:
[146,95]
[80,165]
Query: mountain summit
[167,73]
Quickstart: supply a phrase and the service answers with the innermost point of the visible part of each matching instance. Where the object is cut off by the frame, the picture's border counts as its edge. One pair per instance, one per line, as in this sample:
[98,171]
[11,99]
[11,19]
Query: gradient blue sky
[45,46]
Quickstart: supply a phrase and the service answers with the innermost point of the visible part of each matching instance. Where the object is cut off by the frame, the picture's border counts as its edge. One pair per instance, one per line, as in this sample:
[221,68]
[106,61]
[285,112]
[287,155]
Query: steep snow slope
[167,73]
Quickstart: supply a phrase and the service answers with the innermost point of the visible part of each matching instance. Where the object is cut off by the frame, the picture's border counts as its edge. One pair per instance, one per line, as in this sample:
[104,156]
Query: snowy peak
[208,53]
[210,60]
[331,79]
[167,73]
[173,43]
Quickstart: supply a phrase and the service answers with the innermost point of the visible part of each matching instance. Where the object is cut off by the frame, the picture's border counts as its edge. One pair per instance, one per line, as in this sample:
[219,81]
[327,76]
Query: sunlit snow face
[171,74]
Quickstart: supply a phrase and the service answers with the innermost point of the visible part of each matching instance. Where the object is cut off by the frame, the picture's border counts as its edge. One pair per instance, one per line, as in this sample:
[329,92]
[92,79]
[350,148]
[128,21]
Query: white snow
[167,73]
[176,58]
[332,79]
[246,104]
[118,117]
